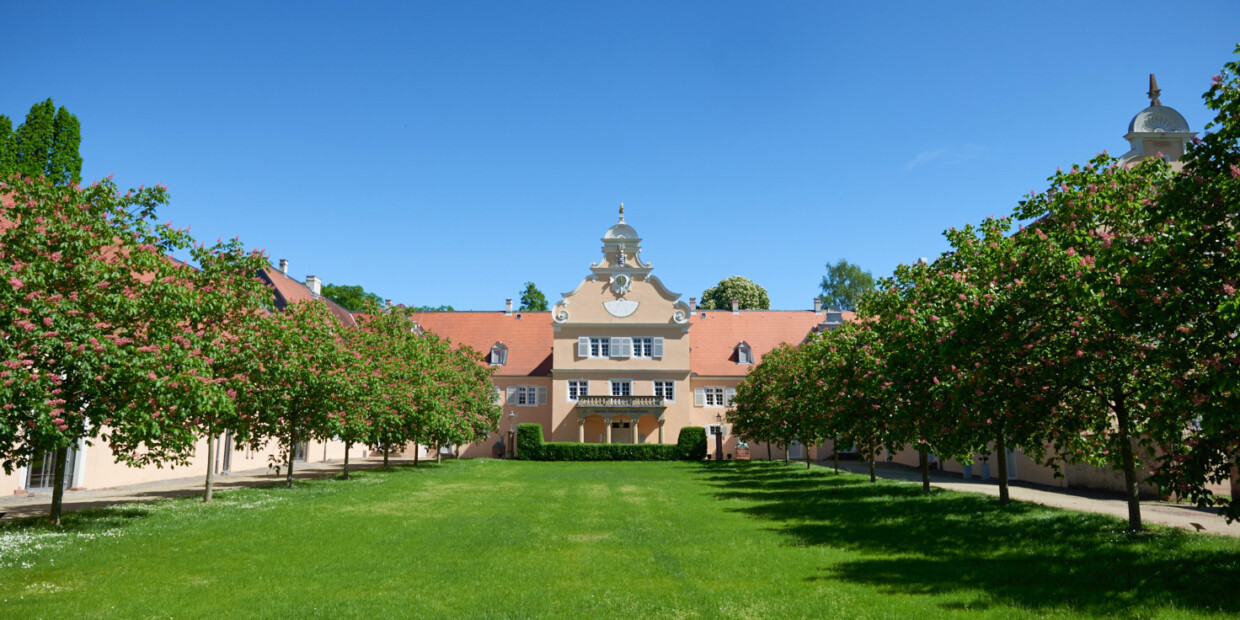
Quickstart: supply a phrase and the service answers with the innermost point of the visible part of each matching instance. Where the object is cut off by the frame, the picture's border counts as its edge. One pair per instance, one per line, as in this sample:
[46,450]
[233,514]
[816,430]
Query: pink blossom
[19,284]
[1229,289]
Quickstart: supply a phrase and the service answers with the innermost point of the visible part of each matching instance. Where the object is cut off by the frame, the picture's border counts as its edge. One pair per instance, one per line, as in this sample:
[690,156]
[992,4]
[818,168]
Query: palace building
[622,358]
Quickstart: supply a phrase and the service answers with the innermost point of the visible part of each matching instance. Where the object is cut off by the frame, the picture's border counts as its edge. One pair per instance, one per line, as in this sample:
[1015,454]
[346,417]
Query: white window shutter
[499,396]
[626,347]
[583,347]
[542,395]
[614,347]
[699,397]
[658,347]
[512,395]
[728,394]
[724,429]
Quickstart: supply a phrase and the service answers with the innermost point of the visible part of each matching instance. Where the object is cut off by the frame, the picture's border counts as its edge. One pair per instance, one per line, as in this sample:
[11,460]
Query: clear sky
[447,152]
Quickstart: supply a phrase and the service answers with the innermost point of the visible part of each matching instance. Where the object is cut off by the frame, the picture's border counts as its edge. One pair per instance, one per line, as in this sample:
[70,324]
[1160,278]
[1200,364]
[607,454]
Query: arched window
[499,354]
[744,354]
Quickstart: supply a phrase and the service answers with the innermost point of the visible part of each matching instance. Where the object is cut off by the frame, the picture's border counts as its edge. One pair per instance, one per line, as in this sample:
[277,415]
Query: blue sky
[445,153]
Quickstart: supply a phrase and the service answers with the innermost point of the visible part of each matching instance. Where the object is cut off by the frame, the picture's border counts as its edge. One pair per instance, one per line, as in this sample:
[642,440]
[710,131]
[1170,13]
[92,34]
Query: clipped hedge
[531,447]
[692,443]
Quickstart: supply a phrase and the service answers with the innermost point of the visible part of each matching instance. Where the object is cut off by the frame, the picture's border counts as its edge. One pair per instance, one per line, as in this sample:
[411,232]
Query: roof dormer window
[499,354]
[744,353]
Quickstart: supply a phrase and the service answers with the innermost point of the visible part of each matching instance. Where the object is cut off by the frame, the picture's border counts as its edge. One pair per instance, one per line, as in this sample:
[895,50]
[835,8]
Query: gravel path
[1183,516]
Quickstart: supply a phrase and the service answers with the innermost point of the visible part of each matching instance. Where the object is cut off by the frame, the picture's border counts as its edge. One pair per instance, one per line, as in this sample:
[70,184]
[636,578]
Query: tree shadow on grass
[1022,554]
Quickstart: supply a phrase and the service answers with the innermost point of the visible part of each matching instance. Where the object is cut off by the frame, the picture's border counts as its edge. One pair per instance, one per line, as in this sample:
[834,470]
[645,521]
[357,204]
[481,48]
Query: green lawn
[509,539]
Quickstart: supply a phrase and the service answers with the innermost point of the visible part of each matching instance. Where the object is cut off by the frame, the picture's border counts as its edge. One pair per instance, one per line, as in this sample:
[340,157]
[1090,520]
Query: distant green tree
[351,297]
[432,309]
[47,145]
[844,284]
[532,299]
[750,295]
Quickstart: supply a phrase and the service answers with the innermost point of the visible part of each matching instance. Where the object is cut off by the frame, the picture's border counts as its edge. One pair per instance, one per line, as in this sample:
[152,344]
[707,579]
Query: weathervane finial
[1154,91]
[622,212]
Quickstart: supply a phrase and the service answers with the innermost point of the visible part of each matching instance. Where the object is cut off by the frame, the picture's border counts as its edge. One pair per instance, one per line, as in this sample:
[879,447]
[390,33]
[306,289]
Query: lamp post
[719,437]
[512,434]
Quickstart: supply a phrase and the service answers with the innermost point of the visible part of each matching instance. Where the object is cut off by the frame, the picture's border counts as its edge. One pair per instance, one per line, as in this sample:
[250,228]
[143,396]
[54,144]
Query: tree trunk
[385,457]
[1129,463]
[1005,495]
[923,463]
[835,456]
[416,449]
[788,454]
[807,461]
[873,474]
[206,495]
[292,452]
[347,445]
[58,491]
[438,454]
[768,452]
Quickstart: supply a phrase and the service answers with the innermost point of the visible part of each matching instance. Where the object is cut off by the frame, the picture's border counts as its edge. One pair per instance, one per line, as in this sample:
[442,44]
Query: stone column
[636,438]
[660,430]
[581,429]
[607,423]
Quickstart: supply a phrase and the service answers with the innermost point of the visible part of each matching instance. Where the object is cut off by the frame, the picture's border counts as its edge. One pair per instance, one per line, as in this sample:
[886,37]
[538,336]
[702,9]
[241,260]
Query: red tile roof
[528,338]
[287,290]
[714,334]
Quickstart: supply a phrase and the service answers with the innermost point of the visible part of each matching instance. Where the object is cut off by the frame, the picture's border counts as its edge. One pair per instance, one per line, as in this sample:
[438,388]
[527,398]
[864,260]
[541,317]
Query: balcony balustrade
[621,402]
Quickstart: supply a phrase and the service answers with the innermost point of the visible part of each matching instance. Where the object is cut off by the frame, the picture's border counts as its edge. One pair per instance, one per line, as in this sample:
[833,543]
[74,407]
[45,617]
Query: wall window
[600,347]
[527,395]
[499,354]
[666,389]
[621,387]
[713,396]
[643,347]
[744,353]
[619,346]
[577,389]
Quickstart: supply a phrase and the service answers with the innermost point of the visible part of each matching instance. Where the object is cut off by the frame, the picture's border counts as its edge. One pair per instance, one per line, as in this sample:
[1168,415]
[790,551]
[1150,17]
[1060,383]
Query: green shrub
[531,447]
[529,442]
[691,444]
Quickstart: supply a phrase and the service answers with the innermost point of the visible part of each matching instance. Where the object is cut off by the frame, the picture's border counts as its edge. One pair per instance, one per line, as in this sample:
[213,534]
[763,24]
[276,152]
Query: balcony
[621,402]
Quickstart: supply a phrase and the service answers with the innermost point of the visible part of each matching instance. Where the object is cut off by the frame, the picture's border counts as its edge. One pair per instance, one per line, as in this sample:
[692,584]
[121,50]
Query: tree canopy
[350,296]
[45,145]
[843,285]
[532,299]
[751,295]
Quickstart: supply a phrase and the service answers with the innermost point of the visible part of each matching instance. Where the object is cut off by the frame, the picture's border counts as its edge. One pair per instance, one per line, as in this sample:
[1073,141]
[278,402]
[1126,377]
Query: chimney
[817,305]
[315,285]
[736,306]
[692,305]
[284,266]
[507,307]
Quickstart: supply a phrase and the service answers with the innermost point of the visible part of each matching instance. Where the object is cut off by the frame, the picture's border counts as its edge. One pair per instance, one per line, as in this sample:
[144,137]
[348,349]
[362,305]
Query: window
[499,354]
[618,346]
[643,347]
[527,395]
[666,389]
[716,429]
[744,353]
[622,387]
[600,347]
[577,389]
[713,396]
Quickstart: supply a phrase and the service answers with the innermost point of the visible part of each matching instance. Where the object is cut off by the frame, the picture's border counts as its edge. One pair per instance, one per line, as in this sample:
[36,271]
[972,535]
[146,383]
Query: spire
[1154,91]
[622,212]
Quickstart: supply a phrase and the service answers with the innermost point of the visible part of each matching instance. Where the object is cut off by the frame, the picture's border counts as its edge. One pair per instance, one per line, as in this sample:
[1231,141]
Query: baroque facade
[621,358]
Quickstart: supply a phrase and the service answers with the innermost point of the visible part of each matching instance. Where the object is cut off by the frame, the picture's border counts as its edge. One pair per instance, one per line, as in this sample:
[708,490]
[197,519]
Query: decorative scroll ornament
[679,316]
[561,316]
[620,308]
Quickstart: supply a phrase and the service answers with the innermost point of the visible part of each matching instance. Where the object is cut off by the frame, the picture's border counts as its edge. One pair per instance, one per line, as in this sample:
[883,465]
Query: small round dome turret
[621,230]
[1158,118]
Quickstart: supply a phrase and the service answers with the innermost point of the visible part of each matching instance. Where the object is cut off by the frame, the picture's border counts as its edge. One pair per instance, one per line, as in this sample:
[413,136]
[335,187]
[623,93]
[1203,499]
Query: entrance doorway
[796,451]
[622,431]
[41,473]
